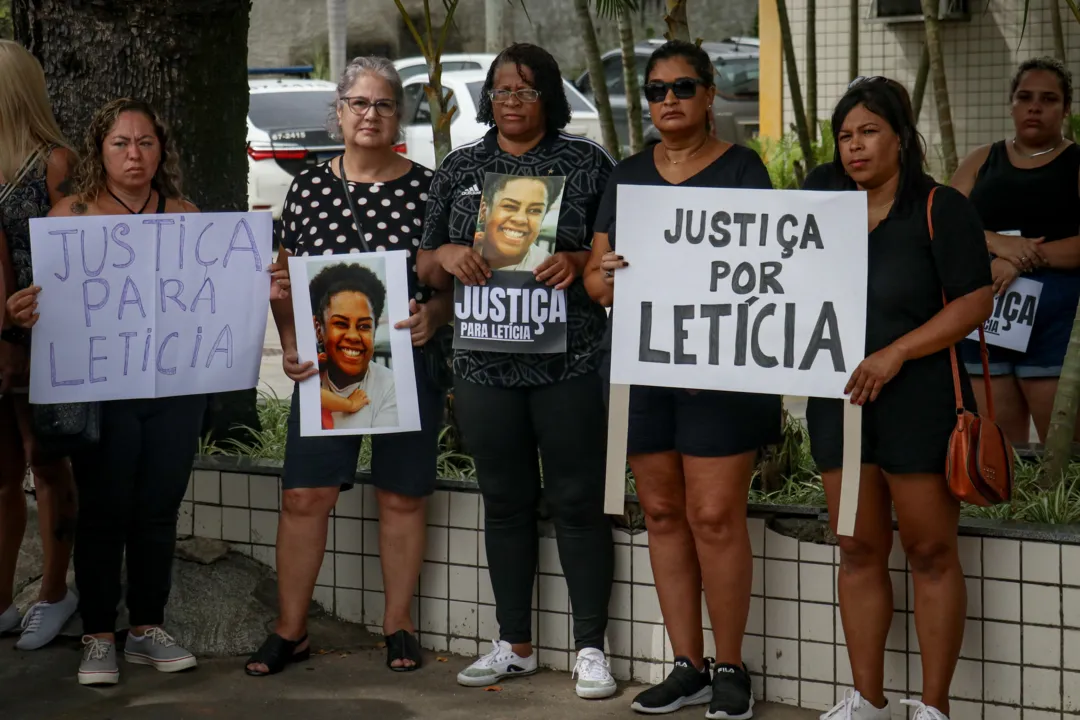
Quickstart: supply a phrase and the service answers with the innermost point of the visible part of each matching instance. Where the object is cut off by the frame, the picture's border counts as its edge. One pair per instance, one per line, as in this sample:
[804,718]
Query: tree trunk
[596,75]
[941,90]
[493,26]
[630,80]
[1059,438]
[677,22]
[853,41]
[1059,47]
[188,58]
[801,128]
[921,78]
[811,68]
[336,24]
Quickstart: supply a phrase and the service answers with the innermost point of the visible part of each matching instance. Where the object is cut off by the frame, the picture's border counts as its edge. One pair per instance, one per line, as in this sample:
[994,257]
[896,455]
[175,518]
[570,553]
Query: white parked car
[466,86]
[286,133]
[451,62]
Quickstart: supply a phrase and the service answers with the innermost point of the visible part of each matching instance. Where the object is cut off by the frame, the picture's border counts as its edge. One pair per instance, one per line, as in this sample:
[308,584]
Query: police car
[286,131]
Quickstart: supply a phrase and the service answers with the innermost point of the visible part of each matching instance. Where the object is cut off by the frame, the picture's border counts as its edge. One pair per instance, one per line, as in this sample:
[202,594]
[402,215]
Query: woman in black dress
[905,386]
[1027,193]
[692,452]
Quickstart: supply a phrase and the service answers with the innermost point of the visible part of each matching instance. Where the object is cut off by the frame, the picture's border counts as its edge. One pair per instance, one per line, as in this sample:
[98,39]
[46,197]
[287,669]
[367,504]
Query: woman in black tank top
[1027,193]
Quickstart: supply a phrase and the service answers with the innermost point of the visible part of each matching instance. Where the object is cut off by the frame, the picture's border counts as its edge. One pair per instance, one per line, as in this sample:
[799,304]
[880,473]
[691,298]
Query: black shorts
[402,463]
[706,423]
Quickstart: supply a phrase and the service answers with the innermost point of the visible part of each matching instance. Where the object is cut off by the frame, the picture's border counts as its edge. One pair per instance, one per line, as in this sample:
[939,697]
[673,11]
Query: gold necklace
[676,162]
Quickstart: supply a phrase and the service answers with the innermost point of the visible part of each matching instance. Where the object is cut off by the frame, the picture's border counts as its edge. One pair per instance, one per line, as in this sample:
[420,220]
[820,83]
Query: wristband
[13,335]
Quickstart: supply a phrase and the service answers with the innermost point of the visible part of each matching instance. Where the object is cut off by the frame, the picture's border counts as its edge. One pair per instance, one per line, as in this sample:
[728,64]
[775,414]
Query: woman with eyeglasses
[905,387]
[515,410]
[1027,193]
[387,193]
[692,452]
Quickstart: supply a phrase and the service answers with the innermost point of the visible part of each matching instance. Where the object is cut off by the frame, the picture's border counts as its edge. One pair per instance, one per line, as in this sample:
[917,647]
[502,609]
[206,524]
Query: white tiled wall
[981,55]
[1020,658]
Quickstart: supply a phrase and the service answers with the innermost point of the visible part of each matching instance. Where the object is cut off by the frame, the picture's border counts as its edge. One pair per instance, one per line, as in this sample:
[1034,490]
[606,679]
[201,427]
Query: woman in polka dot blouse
[389,193]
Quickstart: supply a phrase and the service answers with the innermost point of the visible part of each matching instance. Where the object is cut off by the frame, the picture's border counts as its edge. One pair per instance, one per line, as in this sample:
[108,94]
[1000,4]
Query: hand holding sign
[22,307]
[464,263]
[610,263]
[1004,273]
[559,270]
[419,323]
[279,281]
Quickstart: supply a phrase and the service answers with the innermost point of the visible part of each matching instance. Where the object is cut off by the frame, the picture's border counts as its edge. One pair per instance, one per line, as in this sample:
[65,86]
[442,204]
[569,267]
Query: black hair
[553,184]
[1051,65]
[890,101]
[547,80]
[691,53]
[346,277]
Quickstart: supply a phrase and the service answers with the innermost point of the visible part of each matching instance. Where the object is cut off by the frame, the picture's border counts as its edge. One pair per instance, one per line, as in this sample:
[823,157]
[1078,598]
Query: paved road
[342,684]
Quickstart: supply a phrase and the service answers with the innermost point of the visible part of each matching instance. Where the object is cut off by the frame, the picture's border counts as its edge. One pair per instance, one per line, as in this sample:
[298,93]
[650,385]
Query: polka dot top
[316,219]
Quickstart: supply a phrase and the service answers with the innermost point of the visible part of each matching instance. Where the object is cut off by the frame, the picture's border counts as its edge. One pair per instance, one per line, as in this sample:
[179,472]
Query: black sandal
[403,645]
[277,652]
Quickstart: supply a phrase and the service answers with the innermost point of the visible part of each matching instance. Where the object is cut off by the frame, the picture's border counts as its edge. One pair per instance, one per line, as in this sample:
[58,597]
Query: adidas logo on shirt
[474,190]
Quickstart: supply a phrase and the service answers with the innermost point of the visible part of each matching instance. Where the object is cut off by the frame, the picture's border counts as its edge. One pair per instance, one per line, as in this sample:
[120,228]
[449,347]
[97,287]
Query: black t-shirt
[739,167]
[451,218]
[316,219]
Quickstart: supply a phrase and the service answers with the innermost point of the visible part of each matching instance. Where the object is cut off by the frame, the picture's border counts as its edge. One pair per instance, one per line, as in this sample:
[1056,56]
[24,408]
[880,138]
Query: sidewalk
[342,684]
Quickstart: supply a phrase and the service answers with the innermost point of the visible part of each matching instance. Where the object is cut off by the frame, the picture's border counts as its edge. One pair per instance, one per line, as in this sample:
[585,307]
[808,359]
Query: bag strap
[28,164]
[352,205]
[983,352]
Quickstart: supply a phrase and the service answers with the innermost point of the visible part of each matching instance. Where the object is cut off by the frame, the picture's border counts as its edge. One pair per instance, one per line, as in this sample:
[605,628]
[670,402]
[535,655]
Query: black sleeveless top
[1037,202]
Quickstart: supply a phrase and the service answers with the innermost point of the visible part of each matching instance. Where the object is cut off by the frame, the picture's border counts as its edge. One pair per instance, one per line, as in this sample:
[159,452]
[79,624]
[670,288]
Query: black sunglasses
[684,89]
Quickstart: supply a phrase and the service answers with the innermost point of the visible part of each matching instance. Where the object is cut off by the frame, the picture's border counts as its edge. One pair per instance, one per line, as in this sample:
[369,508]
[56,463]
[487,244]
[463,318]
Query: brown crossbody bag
[980,464]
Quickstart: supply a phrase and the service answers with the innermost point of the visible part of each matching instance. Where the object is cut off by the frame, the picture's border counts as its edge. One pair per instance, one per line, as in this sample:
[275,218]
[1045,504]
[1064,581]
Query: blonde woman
[34,162]
[132,481]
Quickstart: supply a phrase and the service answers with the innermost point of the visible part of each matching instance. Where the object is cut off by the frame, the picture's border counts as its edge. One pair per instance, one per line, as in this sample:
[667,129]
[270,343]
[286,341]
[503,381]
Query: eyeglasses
[867,79]
[525,95]
[360,106]
[684,89]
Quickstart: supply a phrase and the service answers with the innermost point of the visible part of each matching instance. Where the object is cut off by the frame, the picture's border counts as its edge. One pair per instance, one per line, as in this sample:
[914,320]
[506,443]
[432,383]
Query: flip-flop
[403,645]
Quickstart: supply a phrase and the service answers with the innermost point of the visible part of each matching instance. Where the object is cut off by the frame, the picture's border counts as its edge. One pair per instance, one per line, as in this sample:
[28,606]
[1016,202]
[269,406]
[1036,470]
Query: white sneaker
[500,663]
[855,707]
[9,619]
[924,712]
[593,674]
[44,621]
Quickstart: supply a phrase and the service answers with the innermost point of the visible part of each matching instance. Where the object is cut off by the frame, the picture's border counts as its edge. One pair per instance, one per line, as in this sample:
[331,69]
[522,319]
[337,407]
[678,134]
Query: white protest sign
[148,306]
[1009,326]
[747,290]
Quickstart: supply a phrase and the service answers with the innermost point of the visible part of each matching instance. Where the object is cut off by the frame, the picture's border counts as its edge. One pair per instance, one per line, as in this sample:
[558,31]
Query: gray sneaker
[157,648]
[44,621]
[98,666]
[9,619]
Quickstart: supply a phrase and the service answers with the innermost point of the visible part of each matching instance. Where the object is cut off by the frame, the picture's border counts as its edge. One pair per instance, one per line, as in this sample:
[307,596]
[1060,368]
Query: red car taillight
[265,151]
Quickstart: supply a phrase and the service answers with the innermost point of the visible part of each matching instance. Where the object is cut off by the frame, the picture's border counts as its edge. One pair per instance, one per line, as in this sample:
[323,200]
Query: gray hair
[367,65]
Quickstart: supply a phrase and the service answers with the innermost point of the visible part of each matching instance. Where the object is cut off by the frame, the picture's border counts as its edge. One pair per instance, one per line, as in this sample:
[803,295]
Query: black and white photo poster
[515,233]
[746,290]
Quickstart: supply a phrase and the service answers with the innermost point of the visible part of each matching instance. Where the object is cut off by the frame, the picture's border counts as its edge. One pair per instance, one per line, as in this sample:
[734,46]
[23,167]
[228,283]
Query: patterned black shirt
[316,219]
[451,217]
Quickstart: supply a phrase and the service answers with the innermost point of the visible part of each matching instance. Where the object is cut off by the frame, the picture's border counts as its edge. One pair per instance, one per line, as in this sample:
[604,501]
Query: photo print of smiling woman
[353,341]
[518,220]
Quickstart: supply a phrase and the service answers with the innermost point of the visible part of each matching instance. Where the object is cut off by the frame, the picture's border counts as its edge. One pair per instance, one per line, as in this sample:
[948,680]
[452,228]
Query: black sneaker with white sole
[686,685]
[732,697]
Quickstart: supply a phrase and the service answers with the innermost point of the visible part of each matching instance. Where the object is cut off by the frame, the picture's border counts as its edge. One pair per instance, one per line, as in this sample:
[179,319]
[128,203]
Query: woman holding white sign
[1027,193]
[34,169]
[906,389]
[132,481]
[692,452]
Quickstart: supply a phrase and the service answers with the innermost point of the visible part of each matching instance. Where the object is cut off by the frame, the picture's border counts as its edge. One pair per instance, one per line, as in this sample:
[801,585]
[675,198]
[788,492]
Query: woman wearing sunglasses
[515,409]
[692,452]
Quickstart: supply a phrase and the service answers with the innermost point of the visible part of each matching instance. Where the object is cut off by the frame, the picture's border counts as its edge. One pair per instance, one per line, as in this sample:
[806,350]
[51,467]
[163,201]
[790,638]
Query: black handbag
[64,428]
[438,351]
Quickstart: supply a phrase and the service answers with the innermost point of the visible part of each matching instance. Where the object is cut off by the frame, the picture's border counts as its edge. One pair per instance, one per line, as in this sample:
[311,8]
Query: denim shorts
[401,463]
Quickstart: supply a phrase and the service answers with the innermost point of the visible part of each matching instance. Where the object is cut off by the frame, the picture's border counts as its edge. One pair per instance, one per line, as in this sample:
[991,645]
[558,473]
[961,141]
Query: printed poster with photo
[365,384]
[515,233]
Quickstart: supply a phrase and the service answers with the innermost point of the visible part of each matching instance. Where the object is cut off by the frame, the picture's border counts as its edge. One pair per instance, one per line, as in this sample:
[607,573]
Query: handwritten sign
[1009,326]
[148,306]
[746,290]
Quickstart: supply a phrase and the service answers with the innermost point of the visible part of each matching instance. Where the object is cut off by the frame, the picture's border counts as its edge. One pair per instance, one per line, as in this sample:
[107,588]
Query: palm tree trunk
[941,90]
[596,74]
[678,25]
[336,27]
[920,82]
[853,41]
[630,80]
[1059,47]
[493,25]
[801,128]
[811,68]
[1059,438]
